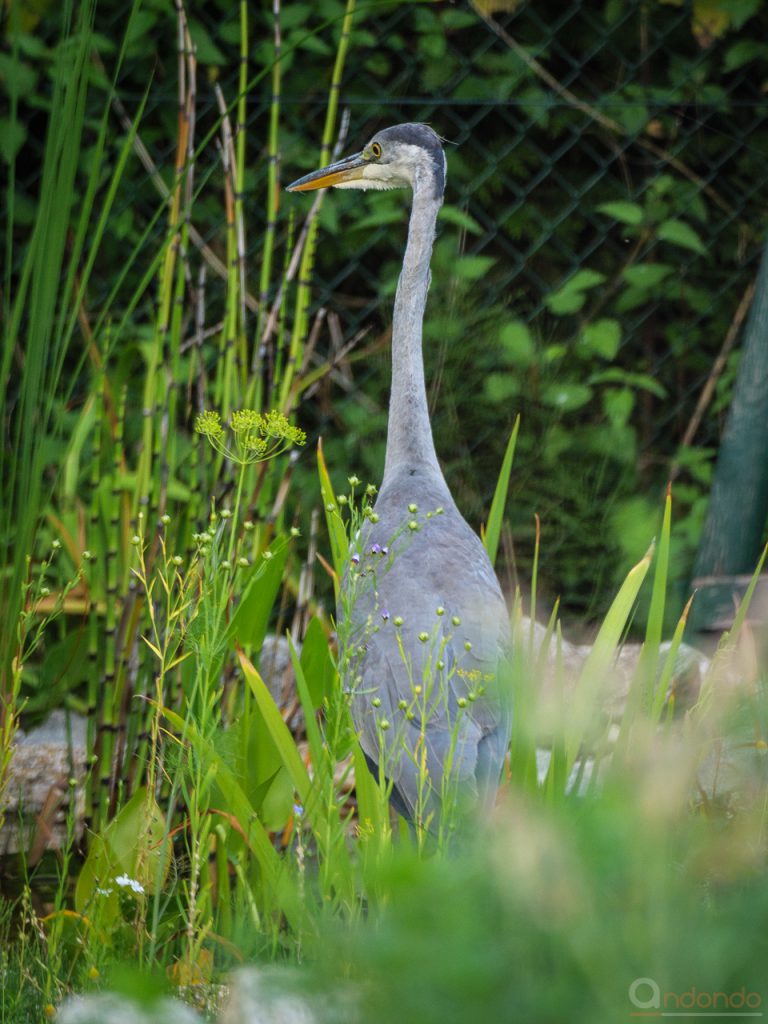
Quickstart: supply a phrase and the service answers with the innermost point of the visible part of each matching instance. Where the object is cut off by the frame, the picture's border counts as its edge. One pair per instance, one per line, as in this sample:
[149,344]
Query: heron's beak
[351,168]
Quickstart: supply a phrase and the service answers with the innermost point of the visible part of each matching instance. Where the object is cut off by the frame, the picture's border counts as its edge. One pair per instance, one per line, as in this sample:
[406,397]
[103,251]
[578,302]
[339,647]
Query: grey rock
[273,995]
[38,796]
[691,666]
[277,672]
[264,996]
[105,1008]
[275,668]
[45,759]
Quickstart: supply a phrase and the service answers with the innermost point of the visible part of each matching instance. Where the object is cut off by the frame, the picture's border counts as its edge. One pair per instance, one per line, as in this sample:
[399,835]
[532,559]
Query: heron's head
[404,156]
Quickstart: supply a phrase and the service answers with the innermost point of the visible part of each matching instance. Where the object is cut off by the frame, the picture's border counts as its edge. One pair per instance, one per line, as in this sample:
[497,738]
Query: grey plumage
[428,696]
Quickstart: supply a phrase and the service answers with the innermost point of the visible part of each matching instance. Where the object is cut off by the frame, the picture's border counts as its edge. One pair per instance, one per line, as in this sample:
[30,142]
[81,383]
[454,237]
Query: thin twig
[141,151]
[715,373]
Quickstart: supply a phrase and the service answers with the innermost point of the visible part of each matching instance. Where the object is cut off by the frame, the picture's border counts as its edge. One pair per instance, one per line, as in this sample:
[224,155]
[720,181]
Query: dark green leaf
[517,343]
[679,233]
[618,404]
[459,217]
[317,663]
[742,52]
[500,387]
[566,397]
[13,135]
[623,211]
[207,51]
[472,268]
[647,275]
[602,338]
[643,381]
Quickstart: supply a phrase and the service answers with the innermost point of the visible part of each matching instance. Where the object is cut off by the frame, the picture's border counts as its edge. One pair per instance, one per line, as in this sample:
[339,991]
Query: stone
[43,762]
[106,1008]
[691,666]
[263,996]
[277,672]
[274,995]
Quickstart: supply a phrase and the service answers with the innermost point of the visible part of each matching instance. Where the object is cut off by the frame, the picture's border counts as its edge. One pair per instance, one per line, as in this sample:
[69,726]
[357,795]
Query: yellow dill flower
[257,436]
[209,425]
[246,421]
[255,444]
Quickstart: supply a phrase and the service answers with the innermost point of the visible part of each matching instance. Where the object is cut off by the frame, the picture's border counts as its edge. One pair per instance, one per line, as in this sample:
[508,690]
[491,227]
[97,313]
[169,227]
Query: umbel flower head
[255,436]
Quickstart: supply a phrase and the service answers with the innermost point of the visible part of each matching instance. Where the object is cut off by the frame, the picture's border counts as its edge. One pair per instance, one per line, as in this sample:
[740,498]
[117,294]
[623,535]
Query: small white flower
[104,892]
[129,883]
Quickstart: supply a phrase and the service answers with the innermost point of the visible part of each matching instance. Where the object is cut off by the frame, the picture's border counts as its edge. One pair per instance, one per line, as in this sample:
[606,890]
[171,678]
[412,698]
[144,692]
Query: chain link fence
[606,200]
[610,160]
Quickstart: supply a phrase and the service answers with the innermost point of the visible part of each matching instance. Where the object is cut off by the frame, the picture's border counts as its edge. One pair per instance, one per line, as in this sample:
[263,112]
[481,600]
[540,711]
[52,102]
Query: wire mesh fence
[609,161]
[606,199]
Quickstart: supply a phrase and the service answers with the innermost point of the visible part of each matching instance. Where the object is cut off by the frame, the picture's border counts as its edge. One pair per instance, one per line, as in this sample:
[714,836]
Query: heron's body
[422,615]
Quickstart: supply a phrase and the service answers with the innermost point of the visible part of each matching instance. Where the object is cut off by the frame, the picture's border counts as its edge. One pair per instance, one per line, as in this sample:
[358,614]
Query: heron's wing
[427,699]
[414,737]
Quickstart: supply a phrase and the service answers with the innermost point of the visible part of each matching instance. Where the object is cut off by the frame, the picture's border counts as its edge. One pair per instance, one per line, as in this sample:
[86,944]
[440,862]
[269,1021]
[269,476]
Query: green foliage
[143,567]
[132,853]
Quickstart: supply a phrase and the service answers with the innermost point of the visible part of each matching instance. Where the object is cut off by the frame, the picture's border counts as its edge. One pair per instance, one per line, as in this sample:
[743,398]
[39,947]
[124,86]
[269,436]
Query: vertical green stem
[301,321]
[272,198]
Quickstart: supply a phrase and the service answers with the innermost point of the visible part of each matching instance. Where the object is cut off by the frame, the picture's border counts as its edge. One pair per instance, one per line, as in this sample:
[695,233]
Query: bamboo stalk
[303,293]
[268,246]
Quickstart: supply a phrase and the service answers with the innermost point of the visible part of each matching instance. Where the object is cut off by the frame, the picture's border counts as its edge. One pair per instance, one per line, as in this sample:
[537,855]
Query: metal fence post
[738,506]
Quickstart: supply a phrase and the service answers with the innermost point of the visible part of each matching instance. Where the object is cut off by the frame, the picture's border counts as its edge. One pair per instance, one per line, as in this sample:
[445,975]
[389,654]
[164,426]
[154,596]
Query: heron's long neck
[409,435]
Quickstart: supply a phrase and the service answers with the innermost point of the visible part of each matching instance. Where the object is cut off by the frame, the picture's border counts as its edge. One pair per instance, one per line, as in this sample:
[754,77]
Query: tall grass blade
[280,889]
[31,327]
[594,673]
[284,741]
[642,690]
[496,515]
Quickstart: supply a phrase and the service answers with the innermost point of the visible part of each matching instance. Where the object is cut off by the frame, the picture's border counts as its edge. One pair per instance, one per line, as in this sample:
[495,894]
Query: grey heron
[421,611]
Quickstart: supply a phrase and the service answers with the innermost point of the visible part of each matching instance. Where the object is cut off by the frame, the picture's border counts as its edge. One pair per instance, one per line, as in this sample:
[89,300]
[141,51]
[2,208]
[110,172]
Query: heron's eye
[376,149]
